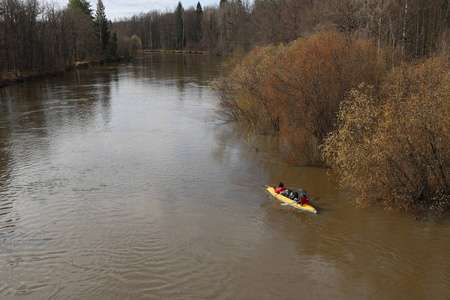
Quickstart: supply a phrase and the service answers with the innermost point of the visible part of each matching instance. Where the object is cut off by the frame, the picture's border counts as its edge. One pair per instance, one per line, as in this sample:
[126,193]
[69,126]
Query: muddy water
[117,183]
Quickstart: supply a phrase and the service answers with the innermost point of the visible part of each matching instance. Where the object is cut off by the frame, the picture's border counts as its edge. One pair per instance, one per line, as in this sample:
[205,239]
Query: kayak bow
[305,207]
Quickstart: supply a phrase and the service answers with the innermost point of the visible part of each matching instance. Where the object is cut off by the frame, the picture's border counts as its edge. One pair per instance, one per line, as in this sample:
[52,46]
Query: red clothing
[279,189]
[304,200]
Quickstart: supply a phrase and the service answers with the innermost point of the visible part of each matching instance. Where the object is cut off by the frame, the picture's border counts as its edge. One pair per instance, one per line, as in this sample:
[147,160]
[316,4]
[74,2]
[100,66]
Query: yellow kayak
[305,207]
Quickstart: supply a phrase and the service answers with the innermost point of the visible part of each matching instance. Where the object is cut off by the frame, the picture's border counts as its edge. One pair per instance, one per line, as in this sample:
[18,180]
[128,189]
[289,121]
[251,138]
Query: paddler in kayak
[284,191]
[280,188]
[304,199]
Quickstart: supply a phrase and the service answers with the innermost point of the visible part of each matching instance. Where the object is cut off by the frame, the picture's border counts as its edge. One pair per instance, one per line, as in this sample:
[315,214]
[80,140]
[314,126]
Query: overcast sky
[126,8]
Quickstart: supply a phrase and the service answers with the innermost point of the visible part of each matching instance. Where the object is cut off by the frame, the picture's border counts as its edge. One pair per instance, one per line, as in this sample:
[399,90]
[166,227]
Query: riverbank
[10,78]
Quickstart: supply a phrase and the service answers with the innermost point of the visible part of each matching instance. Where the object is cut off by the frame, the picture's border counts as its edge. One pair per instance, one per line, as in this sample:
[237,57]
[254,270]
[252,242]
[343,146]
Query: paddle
[313,199]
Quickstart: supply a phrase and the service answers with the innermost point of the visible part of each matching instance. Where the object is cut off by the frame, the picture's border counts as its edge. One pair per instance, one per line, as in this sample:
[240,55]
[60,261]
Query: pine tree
[198,24]
[179,27]
[82,5]
[112,47]
[199,8]
[102,25]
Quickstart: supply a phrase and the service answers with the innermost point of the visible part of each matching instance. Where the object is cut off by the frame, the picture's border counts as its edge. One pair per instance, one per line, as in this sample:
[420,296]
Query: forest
[40,37]
[361,86]
[418,27]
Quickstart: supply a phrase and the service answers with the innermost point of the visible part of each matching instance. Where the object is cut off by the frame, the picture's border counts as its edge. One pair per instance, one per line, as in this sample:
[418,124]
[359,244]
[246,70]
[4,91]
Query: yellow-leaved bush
[393,146]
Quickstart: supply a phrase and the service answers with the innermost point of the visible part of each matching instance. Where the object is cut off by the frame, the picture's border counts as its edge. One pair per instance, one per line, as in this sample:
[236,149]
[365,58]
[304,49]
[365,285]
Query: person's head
[304,193]
[281,184]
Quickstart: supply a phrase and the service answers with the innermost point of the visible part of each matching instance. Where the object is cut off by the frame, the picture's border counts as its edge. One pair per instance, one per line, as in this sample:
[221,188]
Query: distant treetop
[82,5]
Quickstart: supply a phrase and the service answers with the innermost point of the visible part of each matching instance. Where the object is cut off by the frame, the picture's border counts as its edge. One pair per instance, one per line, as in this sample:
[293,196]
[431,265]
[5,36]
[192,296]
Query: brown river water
[117,182]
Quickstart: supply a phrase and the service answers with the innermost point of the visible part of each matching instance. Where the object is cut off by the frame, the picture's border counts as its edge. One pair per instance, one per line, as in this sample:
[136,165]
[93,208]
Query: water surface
[117,182]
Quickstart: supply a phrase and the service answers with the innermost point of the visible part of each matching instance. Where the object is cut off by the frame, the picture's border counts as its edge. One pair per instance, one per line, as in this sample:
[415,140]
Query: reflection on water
[116,183]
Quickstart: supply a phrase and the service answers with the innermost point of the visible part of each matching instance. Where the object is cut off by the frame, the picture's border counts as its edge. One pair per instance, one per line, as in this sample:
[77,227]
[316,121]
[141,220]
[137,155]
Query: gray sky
[126,8]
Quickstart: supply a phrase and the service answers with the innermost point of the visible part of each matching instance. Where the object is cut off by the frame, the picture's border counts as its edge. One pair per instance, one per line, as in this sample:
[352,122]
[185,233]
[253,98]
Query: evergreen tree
[82,5]
[112,47]
[102,25]
[179,27]
[222,2]
[198,22]
[199,8]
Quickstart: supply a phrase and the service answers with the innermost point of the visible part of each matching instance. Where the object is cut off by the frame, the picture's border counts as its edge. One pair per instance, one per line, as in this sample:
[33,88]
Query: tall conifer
[82,5]
[179,27]
[102,25]
[198,22]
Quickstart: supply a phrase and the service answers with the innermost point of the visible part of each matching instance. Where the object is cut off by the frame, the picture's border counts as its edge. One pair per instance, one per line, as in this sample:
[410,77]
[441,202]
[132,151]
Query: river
[117,182]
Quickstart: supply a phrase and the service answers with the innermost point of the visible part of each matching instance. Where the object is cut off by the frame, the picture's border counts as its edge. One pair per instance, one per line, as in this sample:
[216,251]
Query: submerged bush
[243,96]
[295,90]
[395,147]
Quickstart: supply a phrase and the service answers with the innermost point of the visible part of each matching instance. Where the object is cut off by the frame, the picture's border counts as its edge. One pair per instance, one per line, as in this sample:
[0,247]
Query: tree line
[40,38]
[416,28]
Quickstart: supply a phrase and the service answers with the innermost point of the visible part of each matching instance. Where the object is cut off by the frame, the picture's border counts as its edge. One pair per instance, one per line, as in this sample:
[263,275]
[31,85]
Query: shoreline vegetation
[335,101]
[358,86]
[10,78]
